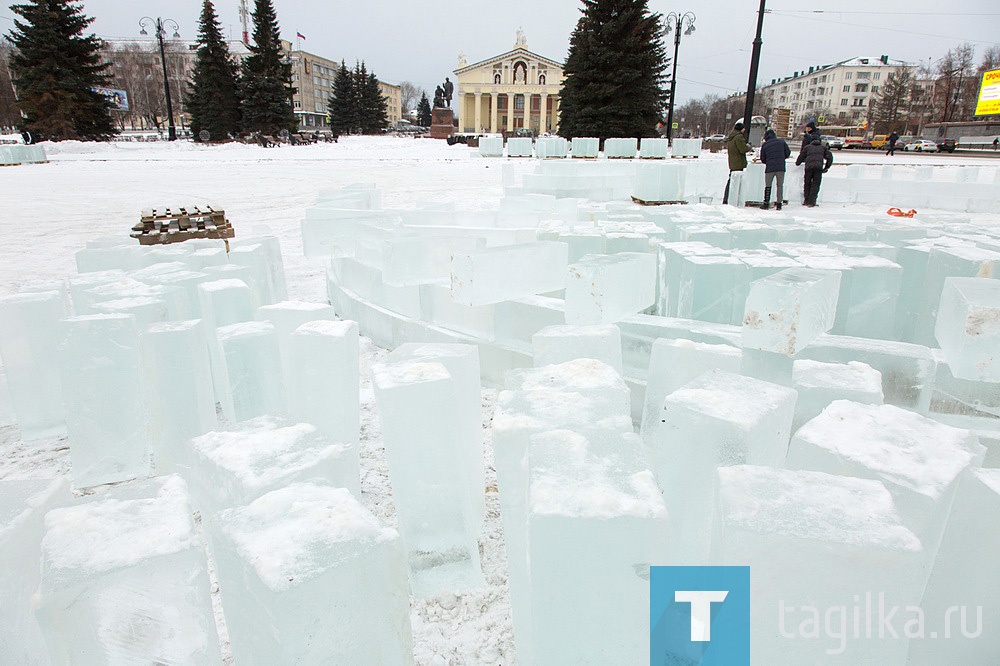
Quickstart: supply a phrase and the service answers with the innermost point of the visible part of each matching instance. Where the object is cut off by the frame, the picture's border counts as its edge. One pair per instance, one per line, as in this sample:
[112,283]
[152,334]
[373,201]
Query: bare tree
[138,71]
[409,95]
[956,82]
[892,102]
[10,116]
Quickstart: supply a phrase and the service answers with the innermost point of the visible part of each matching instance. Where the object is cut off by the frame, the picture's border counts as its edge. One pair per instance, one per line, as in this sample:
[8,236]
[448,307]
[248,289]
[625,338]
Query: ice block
[603,289]
[968,328]
[558,344]
[485,277]
[789,309]
[251,382]
[818,384]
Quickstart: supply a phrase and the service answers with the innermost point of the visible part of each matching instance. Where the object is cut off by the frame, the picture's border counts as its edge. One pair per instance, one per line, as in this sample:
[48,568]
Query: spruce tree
[424,111]
[614,72]
[378,109]
[212,99]
[342,108]
[267,79]
[56,68]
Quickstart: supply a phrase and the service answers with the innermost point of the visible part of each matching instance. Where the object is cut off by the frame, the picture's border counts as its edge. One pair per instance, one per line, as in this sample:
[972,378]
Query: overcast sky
[420,42]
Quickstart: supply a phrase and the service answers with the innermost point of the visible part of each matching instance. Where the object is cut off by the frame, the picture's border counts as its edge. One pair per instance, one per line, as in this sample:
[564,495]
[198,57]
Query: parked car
[878,141]
[946,145]
[833,142]
[856,142]
[716,137]
[903,140]
[921,146]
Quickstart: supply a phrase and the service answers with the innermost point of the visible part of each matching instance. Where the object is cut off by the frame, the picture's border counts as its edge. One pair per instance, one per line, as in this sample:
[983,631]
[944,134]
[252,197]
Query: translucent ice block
[287,316]
[818,384]
[789,309]
[251,382]
[324,377]
[717,420]
[820,548]
[585,146]
[685,148]
[960,599]
[653,148]
[270,265]
[620,147]
[225,302]
[409,261]
[968,327]
[309,576]
[519,146]
[23,505]
[235,467]
[918,460]
[486,277]
[146,309]
[126,582]
[178,383]
[712,288]
[102,387]
[660,182]
[29,338]
[602,289]
[551,146]
[428,466]
[122,257]
[558,344]
[491,146]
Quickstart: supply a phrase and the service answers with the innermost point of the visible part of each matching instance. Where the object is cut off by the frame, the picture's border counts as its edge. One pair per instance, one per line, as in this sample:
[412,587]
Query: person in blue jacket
[773,153]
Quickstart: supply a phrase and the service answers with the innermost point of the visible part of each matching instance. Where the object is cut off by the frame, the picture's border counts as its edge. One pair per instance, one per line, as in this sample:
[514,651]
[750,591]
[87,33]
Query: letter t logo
[701,610]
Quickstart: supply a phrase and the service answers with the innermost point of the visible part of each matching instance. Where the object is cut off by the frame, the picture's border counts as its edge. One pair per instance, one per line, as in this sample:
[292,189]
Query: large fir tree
[56,68]
[213,100]
[614,73]
[342,107]
[357,104]
[267,79]
[424,111]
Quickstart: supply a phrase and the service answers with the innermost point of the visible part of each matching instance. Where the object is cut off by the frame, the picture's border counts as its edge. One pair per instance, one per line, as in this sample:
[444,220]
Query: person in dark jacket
[811,135]
[737,149]
[773,153]
[891,141]
[817,159]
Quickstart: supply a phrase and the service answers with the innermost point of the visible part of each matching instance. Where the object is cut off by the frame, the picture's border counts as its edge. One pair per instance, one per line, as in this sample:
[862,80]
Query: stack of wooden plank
[160,226]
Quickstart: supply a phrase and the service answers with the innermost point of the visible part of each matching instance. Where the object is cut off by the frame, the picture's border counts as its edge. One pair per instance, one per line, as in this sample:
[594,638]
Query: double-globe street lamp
[159,26]
[676,21]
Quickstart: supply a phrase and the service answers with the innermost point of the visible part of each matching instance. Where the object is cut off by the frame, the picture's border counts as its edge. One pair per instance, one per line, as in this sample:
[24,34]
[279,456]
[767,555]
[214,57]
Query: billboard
[988,103]
[117,98]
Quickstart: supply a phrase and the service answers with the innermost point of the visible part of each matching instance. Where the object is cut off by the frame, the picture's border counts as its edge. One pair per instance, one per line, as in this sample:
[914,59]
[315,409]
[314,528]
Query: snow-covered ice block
[558,344]
[309,576]
[712,288]
[429,468]
[585,146]
[177,377]
[675,362]
[519,146]
[968,327]
[102,389]
[685,148]
[918,460]
[323,382]
[650,148]
[29,338]
[789,309]
[491,146]
[484,278]
[818,384]
[147,310]
[717,420]
[620,147]
[820,548]
[234,467]
[662,181]
[942,263]
[960,599]
[23,505]
[551,146]
[122,257]
[126,582]
[250,381]
[288,316]
[602,289]
[225,302]
[592,518]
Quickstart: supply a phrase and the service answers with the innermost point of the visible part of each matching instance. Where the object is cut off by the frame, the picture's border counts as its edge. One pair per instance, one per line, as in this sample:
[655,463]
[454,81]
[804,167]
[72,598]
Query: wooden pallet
[756,204]
[683,157]
[160,226]
[658,203]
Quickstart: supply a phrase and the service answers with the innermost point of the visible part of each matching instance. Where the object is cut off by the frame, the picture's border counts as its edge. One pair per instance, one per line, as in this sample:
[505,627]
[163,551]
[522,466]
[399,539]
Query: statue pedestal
[442,123]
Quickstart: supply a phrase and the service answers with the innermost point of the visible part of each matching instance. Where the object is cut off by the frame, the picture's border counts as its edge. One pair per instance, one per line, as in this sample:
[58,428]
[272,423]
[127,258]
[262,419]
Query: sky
[420,42]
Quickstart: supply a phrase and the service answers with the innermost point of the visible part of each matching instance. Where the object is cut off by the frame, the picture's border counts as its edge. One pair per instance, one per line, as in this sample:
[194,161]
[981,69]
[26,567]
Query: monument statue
[463,60]
[449,89]
[521,39]
[438,97]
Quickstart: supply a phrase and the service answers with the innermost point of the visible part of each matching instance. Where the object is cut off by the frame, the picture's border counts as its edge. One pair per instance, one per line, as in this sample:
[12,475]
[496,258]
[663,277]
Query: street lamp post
[676,21]
[159,23]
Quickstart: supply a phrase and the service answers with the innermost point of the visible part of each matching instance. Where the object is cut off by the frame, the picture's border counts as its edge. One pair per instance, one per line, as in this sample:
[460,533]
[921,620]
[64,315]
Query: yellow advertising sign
[989,94]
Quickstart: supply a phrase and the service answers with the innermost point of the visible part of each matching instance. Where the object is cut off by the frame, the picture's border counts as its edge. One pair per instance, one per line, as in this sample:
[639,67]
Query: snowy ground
[48,211]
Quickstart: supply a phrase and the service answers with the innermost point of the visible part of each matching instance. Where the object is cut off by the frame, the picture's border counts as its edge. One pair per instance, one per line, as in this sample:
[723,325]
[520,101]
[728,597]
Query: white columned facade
[543,113]
[494,98]
[510,112]
[479,112]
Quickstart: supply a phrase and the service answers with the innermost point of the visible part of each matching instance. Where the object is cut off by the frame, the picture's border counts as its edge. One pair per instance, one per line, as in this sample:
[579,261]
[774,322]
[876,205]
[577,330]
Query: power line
[881,28]
[837,11]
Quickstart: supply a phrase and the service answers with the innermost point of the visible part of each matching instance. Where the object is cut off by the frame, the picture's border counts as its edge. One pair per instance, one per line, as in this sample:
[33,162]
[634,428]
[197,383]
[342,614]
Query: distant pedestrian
[817,159]
[996,142]
[773,153]
[811,134]
[737,148]
[893,138]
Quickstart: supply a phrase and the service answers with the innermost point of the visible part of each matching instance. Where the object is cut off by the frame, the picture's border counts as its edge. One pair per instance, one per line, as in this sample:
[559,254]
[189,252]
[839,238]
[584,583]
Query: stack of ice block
[585,147]
[102,382]
[653,148]
[425,430]
[558,344]
[660,182]
[491,146]
[126,582]
[968,328]
[602,289]
[717,420]
[919,460]
[685,148]
[485,277]
[551,146]
[309,576]
[287,316]
[23,505]
[820,548]
[620,148]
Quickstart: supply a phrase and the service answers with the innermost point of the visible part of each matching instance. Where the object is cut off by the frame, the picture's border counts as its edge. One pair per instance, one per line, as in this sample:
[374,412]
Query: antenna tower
[244,19]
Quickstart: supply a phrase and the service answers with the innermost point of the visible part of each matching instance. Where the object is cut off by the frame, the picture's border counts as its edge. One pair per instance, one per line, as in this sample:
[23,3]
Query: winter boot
[777,205]
[767,199]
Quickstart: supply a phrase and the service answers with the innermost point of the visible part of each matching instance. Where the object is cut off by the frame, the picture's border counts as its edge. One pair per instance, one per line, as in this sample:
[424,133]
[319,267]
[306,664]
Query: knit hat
[738,125]
[811,125]
[769,134]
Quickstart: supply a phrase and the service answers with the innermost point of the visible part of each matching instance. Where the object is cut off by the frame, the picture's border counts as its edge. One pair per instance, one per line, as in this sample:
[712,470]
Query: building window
[856,115]
[877,75]
[864,75]
[844,101]
[874,89]
[847,75]
[296,104]
[319,107]
[502,101]
[822,79]
[847,88]
[518,101]
[859,101]
[861,87]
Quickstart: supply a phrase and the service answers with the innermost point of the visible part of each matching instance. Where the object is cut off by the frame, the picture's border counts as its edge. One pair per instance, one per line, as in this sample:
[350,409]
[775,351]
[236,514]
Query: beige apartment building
[514,90]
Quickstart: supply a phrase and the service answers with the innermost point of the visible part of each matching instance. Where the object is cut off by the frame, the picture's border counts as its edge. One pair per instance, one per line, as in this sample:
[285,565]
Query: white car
[716,137]
[921,146]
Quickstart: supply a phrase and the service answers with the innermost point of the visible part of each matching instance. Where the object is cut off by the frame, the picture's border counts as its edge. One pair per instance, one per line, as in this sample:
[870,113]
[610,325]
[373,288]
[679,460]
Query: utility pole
[159,23]
[754,64]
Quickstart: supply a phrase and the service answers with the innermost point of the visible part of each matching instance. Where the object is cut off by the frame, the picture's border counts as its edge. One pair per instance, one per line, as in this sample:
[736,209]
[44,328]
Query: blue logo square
[699,616]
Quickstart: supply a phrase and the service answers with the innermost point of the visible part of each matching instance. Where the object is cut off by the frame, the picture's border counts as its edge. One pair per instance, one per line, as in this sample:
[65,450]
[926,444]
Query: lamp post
[159,23]
[676,21]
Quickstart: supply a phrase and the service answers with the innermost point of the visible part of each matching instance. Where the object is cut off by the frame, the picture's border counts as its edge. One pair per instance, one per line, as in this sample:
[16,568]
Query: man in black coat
[811,135]
[893,138]
[773,153]
[817,159]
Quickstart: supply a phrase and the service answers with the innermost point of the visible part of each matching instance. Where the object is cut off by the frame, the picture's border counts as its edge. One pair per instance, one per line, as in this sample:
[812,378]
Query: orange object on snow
[895,212]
